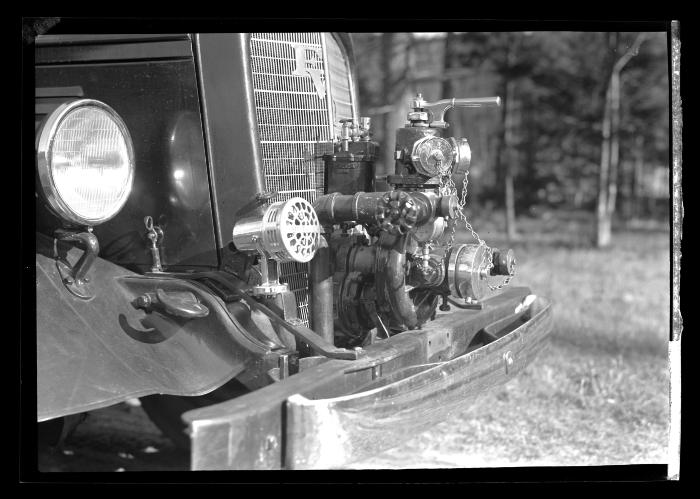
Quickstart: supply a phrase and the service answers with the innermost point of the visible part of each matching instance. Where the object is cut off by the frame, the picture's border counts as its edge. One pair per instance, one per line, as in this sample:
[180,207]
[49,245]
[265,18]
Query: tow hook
[177,303]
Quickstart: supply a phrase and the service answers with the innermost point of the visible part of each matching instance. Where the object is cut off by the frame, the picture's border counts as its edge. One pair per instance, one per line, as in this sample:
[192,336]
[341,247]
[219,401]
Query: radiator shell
[298,120]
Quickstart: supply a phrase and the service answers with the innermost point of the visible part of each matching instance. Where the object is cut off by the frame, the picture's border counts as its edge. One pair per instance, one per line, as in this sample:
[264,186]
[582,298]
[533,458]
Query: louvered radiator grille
[293,76]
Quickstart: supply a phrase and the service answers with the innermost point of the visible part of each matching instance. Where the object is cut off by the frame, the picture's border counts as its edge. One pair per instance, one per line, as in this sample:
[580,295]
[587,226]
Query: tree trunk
[637,179]
[387,154]
[448,89]
[603,222]
[509,146]
[614,139]
[396,63]
[509,123]
[630,173]
[610,150]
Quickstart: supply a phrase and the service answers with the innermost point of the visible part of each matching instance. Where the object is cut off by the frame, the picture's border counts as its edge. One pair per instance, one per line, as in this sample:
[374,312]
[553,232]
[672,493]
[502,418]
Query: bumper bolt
[143,301]
[445,307]
[508,357]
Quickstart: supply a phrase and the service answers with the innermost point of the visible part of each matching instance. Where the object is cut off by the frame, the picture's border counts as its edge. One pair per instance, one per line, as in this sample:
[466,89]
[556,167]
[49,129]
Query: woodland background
[584,125]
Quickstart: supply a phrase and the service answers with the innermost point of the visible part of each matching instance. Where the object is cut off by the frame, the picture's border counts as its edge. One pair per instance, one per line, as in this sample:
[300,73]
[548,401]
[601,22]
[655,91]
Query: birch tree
[610,149]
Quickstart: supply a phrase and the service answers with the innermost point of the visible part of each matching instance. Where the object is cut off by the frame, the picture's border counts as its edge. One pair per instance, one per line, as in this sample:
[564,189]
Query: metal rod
[322,292]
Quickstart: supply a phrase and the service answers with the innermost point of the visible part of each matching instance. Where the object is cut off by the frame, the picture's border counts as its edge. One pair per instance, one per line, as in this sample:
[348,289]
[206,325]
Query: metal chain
[506,281]
[447,187]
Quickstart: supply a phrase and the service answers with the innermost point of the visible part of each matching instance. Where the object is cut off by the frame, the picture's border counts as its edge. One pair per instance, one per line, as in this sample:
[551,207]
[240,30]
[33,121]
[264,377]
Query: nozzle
[503,262]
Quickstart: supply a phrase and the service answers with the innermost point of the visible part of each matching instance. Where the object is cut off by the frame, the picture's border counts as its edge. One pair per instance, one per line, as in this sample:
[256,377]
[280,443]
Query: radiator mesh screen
[297,123]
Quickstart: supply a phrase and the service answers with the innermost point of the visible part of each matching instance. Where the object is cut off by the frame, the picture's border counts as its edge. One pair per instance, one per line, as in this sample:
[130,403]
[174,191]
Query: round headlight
[85,162]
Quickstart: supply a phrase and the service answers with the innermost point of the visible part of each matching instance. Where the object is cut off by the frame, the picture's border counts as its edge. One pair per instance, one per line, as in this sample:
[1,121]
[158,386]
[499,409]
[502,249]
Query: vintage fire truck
[212,237]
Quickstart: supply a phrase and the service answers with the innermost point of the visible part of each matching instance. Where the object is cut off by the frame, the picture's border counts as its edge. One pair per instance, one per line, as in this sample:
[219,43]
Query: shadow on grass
[610,345]
[567,230]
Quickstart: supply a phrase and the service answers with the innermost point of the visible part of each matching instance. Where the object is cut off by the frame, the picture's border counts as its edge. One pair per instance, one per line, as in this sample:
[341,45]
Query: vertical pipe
[322,292]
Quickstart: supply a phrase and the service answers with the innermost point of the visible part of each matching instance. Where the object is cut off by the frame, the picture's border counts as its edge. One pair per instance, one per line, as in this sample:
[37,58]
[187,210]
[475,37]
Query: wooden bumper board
[330,433]
[339,411]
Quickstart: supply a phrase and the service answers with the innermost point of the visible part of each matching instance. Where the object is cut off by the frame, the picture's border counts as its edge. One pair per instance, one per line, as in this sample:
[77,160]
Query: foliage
[560,80]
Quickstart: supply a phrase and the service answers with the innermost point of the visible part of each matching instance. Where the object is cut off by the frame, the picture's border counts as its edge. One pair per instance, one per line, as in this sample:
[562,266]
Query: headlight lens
[85,162]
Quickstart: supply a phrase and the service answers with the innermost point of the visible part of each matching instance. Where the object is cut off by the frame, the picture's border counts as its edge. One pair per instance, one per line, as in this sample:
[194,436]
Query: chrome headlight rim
[44,144]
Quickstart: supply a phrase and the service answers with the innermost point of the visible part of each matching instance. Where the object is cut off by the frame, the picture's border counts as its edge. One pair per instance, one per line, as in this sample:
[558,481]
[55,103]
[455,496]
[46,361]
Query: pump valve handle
[438,109]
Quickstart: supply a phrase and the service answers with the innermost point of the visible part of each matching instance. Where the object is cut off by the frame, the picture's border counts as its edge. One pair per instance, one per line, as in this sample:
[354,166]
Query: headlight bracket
[75,277]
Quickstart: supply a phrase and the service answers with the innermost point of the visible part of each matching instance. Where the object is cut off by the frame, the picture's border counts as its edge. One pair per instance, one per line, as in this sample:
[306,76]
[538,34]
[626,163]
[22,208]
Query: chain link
[447,187]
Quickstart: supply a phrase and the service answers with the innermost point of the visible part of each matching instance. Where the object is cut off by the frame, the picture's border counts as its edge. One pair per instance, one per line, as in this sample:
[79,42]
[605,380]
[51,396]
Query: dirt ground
[117,438]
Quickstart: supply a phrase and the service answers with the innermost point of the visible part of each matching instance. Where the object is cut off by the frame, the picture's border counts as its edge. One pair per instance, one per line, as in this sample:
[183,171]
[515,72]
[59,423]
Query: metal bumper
[335,412]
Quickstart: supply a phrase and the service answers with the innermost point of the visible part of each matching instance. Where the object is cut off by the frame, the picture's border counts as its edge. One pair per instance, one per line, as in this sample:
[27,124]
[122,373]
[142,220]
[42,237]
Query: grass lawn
[599,394]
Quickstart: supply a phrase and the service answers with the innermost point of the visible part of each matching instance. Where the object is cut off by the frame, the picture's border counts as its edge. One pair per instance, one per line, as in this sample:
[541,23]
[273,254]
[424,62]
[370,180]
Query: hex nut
[143,301]
[418,116]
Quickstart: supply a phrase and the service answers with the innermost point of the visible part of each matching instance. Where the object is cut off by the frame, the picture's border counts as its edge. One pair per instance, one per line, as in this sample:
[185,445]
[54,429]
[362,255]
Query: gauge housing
[432,155]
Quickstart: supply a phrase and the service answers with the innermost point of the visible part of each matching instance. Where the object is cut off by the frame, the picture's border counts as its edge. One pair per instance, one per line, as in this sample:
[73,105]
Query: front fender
[97,352]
